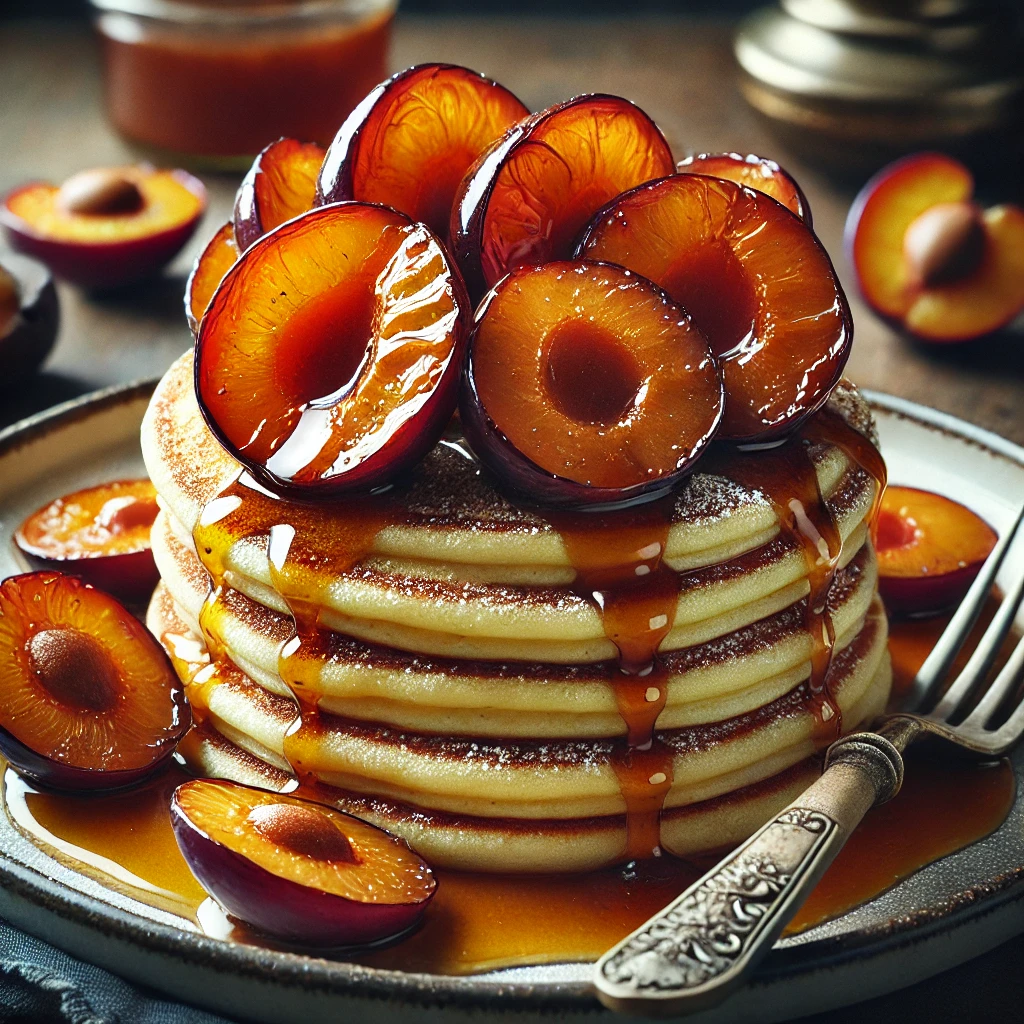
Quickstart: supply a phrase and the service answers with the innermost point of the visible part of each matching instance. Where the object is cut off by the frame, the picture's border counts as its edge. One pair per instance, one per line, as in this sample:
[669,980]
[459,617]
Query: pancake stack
[513,690]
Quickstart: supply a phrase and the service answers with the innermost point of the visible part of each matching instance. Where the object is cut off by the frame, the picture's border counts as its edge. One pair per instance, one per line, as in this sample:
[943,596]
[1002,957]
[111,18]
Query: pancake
[410,580]
[515,688]
[706,682]
[701,814]
[521,778]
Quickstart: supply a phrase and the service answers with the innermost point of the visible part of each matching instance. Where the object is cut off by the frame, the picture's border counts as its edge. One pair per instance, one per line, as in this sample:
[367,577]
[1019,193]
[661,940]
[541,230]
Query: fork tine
[980,662]
[1007,735]
[937,664]
[1000,689]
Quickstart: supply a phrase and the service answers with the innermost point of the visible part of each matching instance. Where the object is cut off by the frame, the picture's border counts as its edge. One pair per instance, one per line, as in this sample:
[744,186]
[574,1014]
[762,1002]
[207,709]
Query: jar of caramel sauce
[214,81]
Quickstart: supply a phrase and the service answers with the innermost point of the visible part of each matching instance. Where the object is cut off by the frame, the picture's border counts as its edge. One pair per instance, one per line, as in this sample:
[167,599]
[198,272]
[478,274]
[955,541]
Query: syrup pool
[482,922]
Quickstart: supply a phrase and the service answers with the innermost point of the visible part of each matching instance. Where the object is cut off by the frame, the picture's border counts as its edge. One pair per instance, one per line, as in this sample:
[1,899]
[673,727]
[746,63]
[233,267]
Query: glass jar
[216,81]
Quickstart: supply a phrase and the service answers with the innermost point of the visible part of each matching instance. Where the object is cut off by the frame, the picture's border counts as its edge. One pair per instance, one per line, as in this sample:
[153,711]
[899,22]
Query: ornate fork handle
[703,944]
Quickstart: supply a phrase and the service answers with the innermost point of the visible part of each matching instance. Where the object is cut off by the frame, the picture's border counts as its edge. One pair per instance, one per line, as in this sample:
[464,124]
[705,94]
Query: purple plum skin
[54,775]
[280,907]
[30,339]
[926,595]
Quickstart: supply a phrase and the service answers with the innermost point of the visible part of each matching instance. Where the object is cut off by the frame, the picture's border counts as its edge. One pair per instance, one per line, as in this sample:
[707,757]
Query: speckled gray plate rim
[944,914]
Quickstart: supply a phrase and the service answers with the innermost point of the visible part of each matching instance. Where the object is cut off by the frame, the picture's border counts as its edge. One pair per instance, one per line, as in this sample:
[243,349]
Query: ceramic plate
[944,914]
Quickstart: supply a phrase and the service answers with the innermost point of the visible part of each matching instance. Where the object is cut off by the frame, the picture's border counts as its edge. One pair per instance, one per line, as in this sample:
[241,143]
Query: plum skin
[27,344]
[102,265]
[926,595]
[130,575]
[521,474]
[56,775]
[280,907]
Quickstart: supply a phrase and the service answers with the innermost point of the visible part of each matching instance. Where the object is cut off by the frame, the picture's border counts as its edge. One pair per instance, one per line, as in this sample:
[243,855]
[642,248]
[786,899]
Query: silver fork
[704,944]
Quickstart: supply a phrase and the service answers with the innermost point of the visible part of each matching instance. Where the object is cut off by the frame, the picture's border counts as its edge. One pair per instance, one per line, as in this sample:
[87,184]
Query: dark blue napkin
[40,984]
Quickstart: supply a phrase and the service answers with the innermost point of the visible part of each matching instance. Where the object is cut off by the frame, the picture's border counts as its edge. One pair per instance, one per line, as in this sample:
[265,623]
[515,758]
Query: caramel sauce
[480,922]
[786,476]
[200,92]
[618,558]
[307,548]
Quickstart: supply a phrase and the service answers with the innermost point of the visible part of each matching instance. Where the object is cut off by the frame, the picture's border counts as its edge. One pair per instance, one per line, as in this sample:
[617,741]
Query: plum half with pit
[297,870]
[929,548]
[755,280]
[88,698]
[587,387]
[105,227]
[100,533]
[530,194]
[929,258]
[29,317]
[411,141]
[328,360]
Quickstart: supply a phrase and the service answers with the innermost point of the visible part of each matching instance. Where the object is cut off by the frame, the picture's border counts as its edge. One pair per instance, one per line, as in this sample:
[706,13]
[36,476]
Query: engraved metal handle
[702,945]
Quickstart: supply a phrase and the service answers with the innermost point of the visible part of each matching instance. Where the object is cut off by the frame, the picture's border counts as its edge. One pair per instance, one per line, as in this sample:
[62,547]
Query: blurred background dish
[216,82]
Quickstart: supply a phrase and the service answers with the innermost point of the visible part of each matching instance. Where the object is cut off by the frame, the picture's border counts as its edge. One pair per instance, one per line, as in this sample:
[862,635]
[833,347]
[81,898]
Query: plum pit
[306,831]
[74,668]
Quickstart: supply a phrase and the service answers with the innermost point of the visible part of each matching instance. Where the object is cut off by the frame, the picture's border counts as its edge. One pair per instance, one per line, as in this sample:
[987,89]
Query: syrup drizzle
[620,567]
[307,548]
[787,477]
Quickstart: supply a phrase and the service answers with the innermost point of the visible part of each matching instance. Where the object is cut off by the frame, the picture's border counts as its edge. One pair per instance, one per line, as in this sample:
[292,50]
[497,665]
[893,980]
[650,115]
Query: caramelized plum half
[106,227]
[300,871]
[101,534]
[409,143]
[757,283]
[329,358]
[929,550]
[280,185]
[208,271]
[931,260]
[587,386]
[532,192]
[88,699]
[755,172]
[29,317]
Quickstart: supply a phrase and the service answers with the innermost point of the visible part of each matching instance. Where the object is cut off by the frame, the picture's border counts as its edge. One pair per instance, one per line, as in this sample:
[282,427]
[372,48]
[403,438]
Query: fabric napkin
[41,984]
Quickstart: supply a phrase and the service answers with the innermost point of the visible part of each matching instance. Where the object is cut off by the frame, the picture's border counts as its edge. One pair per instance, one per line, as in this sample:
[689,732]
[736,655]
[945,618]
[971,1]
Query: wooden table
[681,72]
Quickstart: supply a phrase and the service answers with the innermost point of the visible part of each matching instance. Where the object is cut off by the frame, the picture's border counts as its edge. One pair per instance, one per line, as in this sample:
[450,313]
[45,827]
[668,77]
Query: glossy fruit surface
[533,191]
[97,238]
[586,386]
[280,185]
[101,534]
[329,358]
[928,258]
[208,271]
[29,317]
[88,699]
[411,141]
[298,870]
[755,172]
[929,550]
[757,283]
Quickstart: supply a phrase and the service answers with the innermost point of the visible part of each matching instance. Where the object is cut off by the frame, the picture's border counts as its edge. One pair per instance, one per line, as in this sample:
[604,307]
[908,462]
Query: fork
[704,944]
